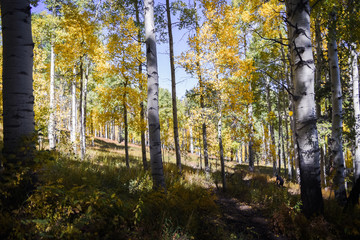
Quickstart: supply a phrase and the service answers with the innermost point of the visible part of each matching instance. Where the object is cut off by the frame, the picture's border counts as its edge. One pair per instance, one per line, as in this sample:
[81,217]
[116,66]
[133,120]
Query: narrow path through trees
[243,220]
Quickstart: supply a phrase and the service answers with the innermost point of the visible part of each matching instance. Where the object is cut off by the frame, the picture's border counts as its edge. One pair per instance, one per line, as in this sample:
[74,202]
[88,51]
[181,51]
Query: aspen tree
[18,98]
[298,12]
[153,94]
[337,114]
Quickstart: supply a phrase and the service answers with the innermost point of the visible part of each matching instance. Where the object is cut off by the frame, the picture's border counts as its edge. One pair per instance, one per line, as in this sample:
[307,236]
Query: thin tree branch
[271,39]
[279,83]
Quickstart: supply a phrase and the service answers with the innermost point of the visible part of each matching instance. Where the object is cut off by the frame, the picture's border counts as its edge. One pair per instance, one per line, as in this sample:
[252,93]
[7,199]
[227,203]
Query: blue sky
[184,81]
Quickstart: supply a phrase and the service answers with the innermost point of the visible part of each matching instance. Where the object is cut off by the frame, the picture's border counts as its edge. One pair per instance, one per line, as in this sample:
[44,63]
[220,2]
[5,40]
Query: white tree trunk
[51,125]
[355,78]
[83,114]
[73,113]
[298,12]
[337,156]
[153,94]
[191,141]
[18,98]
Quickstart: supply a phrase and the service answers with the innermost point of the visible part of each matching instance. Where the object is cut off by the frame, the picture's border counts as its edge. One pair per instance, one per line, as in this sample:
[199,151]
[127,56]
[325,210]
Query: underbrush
[333,224]
[284,209]
[102,199]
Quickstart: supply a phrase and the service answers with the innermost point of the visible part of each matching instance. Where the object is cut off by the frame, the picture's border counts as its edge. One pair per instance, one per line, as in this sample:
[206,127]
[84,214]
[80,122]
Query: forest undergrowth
[99,198]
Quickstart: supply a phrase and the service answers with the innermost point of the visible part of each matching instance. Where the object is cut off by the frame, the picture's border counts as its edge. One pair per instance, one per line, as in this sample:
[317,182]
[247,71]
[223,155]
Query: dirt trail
[244,221]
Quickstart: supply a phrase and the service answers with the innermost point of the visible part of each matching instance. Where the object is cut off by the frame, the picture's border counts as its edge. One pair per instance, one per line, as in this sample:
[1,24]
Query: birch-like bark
[18,98]
[337,155]
[283,144]
[289,160]
[271,127]
[153,95]
[280,133]
[191,141]
[84,82]
[287,74]
[51,124]
[291,60]
[298,12]
[356,102]
[73,112]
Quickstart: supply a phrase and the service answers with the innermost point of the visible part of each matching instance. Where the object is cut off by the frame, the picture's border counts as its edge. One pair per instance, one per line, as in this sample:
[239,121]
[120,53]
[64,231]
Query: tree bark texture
[153,97]
[18,98]
[356,102]
[191,140]
[51,124]
[337,155]
[271,127]
[298,12]
[83,113]
[73,112]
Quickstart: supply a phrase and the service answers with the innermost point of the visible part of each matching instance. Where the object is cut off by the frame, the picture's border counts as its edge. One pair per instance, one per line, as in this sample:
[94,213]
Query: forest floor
[240,219]
[101,198]
[244,220]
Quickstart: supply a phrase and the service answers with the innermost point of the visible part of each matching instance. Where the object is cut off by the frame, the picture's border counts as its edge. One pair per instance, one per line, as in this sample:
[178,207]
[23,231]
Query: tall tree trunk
[280,133]
[126,128]
[318,81]
[271,127]
[291,59]
[289,158]
[141,87]
[83,96]
[221,149]
[287,102]
[319,57]
[51,124]
[73,112]
[251,140]
[356,102]
[191,140]
[202,92]
[153,95]
[337,155]
[18,98]
[298,12]
[246,154]
[173,87]
[241,158]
